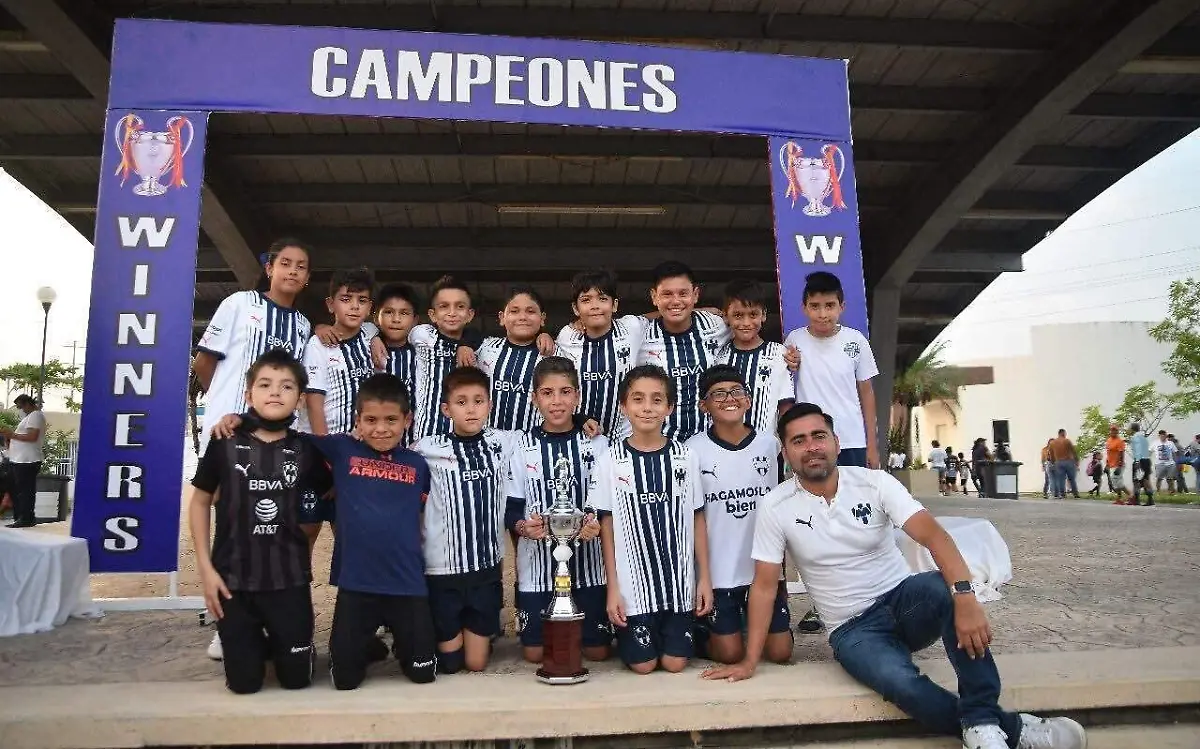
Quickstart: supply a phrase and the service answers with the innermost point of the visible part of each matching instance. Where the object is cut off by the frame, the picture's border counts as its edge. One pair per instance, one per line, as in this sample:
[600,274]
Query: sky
[1113,260]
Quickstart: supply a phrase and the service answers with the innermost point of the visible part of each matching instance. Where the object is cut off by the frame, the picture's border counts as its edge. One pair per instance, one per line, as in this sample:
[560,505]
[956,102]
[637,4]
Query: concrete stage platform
[625,710]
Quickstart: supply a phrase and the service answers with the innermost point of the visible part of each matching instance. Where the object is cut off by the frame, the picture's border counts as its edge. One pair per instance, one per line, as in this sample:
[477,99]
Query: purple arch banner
[168,76]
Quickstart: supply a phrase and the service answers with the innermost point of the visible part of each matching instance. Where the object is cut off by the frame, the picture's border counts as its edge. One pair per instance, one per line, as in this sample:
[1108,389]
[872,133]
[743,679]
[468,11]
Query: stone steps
[783,705]
[1182,736]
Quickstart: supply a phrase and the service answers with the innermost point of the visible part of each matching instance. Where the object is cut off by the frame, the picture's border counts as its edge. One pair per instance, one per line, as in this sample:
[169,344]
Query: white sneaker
[214,648]
[1050,733]
[984,737]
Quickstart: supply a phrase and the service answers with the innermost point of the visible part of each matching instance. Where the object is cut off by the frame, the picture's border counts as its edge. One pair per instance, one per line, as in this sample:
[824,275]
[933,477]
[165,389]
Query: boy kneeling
[256,578]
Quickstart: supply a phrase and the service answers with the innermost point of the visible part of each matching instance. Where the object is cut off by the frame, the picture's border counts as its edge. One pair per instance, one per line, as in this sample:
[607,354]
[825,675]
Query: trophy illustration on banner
[151,155]
[814,178]
[562,621]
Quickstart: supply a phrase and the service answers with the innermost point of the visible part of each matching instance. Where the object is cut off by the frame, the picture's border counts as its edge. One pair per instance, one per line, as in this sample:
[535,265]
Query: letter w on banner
[816,224]
[127,496]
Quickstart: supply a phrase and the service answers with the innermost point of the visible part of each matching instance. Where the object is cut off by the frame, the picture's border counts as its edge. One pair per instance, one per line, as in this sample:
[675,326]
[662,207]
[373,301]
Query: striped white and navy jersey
[435,356]
[336,372]
[246,325]
[653,498]
[685,356]
[402,362]
[510,368]
[468,493]
[733,479]
[769,380]
[602,363]
[533,465]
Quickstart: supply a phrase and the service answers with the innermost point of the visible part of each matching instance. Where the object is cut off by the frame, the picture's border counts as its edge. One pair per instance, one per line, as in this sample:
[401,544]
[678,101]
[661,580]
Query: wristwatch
[961,587]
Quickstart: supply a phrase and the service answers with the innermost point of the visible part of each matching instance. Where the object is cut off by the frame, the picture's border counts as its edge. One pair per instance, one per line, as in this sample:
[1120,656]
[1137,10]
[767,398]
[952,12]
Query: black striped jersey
[468,493]
[435,355]
[769,380]
[336,372]
[258,544]
[602,363]
[685,356]
[653,498]
[534,459]
[510,368]
[402,362]
[733,479]
[245,326]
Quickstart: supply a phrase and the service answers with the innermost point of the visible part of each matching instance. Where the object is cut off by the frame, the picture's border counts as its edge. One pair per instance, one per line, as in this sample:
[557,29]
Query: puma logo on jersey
[241,468]
[805,522]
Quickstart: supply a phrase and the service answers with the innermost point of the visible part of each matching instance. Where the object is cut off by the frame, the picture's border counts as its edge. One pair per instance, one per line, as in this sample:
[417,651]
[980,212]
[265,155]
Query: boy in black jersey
[256,578]
[398,305]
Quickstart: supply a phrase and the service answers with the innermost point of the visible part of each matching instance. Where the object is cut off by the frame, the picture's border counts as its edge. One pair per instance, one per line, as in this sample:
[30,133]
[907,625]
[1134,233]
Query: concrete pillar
[885,333]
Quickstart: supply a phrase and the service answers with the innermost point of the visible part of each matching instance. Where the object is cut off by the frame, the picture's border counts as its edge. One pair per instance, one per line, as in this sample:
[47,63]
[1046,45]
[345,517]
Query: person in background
[1095,469]
[1047,468]
[26,453]
[1114,448]
[979,465]
[1179,484]
[937,461]
[1066,465]
[1164,461]
[964,472]
[1191,457]
[952,469]
[1139,446]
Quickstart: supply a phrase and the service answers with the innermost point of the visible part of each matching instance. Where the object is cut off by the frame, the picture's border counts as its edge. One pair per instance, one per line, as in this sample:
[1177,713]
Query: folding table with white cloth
[981,546]
[43,581]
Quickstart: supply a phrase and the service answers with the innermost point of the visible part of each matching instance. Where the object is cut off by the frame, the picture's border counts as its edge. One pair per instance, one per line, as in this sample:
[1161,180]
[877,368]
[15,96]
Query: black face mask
[257,421]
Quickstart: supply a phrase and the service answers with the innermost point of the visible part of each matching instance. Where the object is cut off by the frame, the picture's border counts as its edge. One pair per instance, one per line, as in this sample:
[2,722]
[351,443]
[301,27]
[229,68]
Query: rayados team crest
[814,178]
[152,155]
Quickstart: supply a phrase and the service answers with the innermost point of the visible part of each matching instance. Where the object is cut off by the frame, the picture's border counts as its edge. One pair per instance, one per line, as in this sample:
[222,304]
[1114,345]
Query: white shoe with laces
[984,737]
[1050,733]
[215,650]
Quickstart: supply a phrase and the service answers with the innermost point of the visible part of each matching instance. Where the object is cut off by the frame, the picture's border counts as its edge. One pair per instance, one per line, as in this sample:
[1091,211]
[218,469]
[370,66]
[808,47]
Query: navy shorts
[593,601]
[648,637]
[475,608]
[314,509]
[853,456]
[728,616]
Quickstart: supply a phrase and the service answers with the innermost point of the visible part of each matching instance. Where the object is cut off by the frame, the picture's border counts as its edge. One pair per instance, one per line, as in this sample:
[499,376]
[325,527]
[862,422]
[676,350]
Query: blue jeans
[852,456]
[876,648]
[1064,472]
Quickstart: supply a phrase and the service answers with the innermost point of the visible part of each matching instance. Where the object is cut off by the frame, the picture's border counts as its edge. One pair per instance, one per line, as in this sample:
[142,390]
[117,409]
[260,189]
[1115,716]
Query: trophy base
[562,652]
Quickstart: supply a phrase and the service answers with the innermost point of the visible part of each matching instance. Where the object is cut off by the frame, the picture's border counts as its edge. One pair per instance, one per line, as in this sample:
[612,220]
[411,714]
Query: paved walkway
[1086,575]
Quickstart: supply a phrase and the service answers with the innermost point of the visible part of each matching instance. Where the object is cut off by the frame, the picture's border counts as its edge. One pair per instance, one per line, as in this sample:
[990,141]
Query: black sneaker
[810,623]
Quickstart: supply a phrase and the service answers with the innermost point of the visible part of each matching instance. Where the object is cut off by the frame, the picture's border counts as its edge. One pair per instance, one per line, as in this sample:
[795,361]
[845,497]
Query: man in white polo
[836,522]
[25,452]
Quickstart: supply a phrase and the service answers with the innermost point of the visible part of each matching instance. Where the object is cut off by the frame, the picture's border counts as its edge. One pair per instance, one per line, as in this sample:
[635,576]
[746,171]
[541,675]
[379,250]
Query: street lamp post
[46,296]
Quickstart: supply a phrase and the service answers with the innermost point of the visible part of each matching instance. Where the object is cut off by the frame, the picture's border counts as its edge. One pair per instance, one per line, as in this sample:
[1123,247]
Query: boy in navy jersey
[531,492]
[684,342]
[464,520]
[762,364]
[397,305]
[256,578]
[646,490]
[603,347]
[738,465]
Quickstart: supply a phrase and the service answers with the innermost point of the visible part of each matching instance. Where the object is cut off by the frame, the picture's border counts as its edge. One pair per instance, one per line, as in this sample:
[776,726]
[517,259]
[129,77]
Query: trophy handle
[127,123]
[191,132]
[839,158]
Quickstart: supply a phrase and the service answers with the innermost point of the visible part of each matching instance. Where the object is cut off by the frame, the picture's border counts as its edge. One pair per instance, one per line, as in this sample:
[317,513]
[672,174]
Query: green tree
[24,378]
[926,380]
[1182,330]
[1144,404]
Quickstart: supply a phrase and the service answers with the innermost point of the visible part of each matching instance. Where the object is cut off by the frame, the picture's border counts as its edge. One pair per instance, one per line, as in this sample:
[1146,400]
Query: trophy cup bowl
[815,184]
[152,156]
[562,621]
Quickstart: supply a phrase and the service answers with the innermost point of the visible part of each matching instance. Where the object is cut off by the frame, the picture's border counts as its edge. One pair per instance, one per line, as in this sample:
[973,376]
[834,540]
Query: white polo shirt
[844,549]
